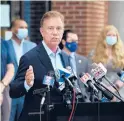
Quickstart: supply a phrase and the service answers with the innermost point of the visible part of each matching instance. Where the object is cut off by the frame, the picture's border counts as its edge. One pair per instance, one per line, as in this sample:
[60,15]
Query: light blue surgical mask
[111,40]
[22,33]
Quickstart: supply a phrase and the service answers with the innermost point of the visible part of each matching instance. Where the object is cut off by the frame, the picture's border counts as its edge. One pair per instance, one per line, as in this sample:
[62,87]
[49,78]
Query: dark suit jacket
[41,63]
[82,66]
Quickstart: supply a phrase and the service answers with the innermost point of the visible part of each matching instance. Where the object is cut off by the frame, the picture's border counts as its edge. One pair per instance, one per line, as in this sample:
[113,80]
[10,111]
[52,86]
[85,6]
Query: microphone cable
[76,103]
[73,106]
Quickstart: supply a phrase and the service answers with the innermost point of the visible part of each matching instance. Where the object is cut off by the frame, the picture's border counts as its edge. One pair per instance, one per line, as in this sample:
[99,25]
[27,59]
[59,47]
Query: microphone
[121,75]
[73,79]
[59,74]
[100,72]
[49,81]
[106,93]
[67,80]
[88,81]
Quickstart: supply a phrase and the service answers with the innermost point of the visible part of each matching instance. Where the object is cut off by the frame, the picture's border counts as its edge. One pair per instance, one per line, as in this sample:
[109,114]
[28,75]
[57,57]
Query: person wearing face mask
[110,52]
[78,63]
[18,46]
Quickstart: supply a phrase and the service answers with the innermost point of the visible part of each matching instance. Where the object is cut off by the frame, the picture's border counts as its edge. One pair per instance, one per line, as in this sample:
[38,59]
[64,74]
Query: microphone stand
[110,91]
[43,99]
[42,102]
[49,106]
[67,97]
[92,95]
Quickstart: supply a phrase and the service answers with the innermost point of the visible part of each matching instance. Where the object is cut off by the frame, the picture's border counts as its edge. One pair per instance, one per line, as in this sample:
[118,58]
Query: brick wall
[32,13]
[37,11]
[85,18]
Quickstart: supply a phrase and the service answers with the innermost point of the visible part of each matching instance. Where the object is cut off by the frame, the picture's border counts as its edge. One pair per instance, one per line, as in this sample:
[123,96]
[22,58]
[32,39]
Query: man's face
[52,31]
[19,25]
[72,37]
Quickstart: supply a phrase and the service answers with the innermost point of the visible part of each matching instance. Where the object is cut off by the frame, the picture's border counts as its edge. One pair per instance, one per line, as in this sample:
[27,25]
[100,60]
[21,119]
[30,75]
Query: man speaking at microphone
[38,62]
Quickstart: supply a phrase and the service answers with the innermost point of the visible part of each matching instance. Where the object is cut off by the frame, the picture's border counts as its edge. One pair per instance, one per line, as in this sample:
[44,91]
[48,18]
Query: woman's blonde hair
[100,54]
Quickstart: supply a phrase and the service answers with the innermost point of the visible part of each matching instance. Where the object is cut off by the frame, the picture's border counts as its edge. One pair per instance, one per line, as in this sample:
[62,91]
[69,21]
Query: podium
[108,111]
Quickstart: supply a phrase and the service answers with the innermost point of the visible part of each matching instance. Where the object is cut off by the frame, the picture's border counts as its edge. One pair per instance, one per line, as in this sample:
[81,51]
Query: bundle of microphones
[95,84]
[67,83]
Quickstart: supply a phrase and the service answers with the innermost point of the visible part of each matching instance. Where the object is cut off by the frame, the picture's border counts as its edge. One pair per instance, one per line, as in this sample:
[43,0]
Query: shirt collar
[49,51]
[15,43]
[72,54]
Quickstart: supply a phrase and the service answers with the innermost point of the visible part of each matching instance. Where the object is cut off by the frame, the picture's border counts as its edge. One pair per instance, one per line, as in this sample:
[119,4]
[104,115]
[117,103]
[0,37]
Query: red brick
[85,18]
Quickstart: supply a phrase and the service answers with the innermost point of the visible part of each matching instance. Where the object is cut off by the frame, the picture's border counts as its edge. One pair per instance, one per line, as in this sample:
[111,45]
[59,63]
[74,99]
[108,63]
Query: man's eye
[50,28]
[59,28]
[111,35]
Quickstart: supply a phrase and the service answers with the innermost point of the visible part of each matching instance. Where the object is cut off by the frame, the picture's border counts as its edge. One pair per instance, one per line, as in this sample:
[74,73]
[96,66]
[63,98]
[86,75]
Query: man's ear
[63,42]
[13,30]
[41,31]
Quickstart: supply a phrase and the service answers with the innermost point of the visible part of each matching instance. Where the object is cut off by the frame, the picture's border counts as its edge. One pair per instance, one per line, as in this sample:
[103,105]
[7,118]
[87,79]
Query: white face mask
[22,33]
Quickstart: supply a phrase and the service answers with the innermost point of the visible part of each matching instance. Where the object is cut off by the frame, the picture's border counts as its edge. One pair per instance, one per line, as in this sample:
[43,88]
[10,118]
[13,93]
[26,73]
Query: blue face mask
[72,46]
[110,40]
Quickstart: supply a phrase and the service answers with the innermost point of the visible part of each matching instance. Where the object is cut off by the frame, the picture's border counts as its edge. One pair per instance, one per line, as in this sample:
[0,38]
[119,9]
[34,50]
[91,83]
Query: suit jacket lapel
[65,59]
[25,48]
[62,59]
[44,58]
[12,51]
[77,59]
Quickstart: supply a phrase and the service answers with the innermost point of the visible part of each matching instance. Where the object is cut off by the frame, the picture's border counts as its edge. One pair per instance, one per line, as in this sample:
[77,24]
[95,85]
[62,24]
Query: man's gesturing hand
[29,77]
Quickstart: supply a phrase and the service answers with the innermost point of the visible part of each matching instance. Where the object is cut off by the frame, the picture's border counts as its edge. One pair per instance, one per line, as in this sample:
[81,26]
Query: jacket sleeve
[17,88]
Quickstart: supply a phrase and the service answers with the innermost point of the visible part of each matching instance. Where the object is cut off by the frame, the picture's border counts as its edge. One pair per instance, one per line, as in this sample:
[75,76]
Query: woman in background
[110,52]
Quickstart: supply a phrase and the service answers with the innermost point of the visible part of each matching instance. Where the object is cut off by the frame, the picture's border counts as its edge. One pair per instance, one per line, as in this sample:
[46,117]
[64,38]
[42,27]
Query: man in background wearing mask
[78,63]
[18,46]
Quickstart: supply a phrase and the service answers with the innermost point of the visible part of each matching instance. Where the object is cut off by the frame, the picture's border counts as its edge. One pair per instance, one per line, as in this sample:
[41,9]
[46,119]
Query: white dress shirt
[54,57]
[18,50]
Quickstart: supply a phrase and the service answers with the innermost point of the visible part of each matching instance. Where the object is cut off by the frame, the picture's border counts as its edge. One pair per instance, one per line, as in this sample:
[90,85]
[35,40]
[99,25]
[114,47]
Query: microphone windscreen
[48,80]
[81,74]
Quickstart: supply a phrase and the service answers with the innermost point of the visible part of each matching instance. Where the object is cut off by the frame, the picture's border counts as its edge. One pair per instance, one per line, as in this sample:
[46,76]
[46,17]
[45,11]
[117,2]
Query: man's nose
[55,31]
